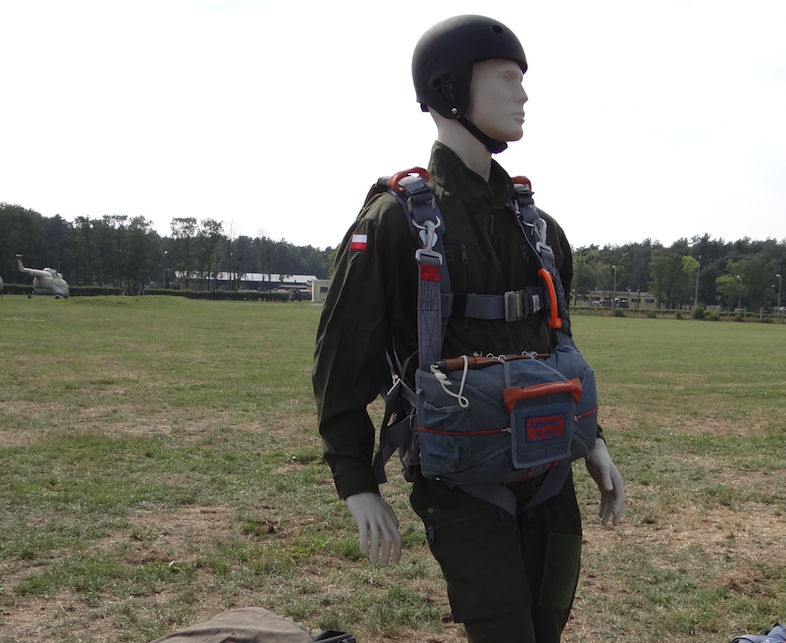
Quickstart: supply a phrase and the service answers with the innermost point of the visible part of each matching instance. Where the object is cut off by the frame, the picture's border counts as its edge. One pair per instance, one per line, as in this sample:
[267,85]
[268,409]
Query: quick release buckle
[520,304]
[514,305]
[428,236]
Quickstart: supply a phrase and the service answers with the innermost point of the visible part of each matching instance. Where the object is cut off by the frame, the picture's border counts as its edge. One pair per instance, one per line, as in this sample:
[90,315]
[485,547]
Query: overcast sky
[647,119]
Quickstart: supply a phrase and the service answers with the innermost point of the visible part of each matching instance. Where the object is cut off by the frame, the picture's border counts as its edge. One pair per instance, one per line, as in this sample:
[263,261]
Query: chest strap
[514,305]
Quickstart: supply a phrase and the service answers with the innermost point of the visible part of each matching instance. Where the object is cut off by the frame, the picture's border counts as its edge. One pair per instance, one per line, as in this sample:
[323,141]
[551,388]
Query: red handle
[394,180]
[513,395]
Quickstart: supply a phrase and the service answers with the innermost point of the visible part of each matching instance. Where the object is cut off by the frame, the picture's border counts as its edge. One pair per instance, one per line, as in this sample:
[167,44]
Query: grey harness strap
[522,207]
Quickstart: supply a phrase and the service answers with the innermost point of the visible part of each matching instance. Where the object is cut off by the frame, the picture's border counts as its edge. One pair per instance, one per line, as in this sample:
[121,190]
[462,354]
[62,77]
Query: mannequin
[510,578]
[497,106]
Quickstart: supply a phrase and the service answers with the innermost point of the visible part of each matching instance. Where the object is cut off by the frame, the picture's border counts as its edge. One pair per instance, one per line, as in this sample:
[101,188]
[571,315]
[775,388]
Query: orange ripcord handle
[393,181]
[554,319]
[513,395]
[522,180]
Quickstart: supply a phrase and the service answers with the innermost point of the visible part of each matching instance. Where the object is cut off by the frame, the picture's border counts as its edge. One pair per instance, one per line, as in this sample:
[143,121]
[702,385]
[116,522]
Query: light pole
[696,296]
[614,292]
[779,297]
[163,270]
[739,295]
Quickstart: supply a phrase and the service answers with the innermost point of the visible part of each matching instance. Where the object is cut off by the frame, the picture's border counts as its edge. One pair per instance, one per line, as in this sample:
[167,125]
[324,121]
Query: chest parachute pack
[480,422]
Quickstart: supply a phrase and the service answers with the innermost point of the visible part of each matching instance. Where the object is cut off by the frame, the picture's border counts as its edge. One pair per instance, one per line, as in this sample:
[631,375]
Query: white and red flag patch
[359,242]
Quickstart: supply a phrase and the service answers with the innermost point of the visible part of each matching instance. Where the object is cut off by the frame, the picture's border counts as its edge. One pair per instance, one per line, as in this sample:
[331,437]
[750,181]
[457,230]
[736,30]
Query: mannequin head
[496,108]
[444,64]
[496,99]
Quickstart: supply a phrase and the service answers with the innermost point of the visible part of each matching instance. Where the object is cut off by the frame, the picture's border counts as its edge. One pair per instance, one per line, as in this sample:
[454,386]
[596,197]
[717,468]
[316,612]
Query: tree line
[697,271]
[127,252]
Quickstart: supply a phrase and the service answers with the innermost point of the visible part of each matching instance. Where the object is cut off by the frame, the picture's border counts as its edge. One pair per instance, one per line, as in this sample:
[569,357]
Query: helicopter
[45,282]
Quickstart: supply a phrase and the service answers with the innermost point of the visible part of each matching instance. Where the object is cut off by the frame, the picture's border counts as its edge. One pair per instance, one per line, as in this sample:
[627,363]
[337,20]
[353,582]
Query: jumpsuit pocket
[478,549]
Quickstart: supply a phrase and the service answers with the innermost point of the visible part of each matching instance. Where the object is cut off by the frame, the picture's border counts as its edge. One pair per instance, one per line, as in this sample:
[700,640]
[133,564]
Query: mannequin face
[496,99]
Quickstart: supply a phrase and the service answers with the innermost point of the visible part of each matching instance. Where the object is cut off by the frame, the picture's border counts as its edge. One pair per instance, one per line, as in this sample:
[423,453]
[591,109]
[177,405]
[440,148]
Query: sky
[646,119]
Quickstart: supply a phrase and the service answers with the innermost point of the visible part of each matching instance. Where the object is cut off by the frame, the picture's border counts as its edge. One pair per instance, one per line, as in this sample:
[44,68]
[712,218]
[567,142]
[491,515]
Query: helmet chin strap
[492,145]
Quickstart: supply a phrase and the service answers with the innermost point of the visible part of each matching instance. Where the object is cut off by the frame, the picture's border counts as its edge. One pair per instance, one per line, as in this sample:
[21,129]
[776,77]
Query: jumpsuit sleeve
[350,367]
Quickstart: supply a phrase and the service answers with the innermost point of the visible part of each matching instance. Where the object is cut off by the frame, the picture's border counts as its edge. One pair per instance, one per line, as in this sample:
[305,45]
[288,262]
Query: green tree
[82,250]
[690,267]
[264,248]
[21,232]
[142,243]
[585,271]
[748,283]
[208,242]
[109,237]
[184,231]
[667,277]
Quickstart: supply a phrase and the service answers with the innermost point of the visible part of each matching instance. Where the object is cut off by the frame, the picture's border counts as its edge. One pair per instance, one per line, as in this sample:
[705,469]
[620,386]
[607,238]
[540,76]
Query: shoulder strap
[522,206]
[410,189]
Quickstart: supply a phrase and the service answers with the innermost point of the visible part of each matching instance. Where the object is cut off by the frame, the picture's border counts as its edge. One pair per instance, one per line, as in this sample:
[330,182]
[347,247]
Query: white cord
[445,382]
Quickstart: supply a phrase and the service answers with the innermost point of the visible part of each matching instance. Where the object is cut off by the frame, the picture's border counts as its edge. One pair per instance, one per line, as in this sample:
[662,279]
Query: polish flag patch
[359,242]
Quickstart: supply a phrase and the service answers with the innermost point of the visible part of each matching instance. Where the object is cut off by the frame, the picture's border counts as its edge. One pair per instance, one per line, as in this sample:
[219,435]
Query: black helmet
[443,59]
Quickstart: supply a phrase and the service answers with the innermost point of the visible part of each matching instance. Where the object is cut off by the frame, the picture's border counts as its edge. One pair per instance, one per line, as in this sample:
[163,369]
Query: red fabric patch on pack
[359,242]
[545,427]
[429,273]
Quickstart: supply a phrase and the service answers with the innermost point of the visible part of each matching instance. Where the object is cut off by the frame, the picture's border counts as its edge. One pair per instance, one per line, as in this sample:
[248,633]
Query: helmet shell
[443,59]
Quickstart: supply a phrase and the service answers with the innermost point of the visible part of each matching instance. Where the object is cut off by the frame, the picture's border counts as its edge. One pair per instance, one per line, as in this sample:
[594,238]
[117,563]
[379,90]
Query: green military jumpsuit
[509,578]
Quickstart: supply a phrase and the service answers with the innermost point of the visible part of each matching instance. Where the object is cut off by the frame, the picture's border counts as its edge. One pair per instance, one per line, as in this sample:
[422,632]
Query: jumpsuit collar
[449,172]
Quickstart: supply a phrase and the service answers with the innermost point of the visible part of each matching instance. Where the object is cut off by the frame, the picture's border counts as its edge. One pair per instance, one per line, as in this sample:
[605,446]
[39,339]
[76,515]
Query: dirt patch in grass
[33,619]
[615,419]
[119,421]
[755,423]
[774,480]
[157,535]
[154,536]
[743,580]
[742,540]
[753,535]
[15,430]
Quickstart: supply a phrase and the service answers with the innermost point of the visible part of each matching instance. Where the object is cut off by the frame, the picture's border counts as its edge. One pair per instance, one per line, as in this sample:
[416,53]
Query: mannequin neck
[469,149]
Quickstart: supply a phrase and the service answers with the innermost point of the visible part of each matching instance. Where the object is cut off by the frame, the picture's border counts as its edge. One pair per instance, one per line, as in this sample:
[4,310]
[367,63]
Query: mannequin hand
[374,515]
[609,481]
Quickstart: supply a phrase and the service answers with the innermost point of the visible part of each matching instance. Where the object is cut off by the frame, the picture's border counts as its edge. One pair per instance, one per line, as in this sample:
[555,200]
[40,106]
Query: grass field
[159,464]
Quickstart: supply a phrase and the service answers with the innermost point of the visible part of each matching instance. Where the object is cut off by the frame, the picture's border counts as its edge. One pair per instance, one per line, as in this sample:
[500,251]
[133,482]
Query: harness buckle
[428,235]
[430,257]
[515,309]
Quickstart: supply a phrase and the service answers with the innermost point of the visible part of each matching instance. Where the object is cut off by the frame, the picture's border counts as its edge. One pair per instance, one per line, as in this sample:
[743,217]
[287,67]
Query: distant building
[251,281]
[319,290]
[634,300]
